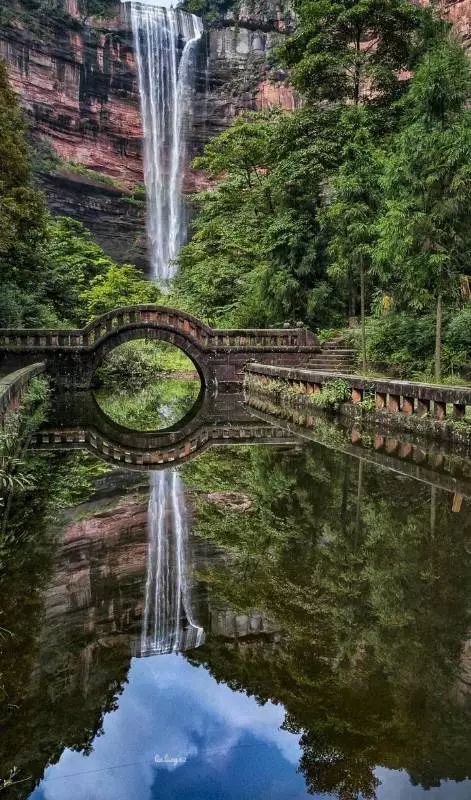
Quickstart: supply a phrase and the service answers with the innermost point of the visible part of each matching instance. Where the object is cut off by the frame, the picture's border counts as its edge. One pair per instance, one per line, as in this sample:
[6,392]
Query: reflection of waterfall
[168,625]
[166,43]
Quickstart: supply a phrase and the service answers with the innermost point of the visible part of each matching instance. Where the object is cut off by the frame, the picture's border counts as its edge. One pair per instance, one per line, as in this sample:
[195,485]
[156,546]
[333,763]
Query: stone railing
[393,396]
[156,317]
[12,387]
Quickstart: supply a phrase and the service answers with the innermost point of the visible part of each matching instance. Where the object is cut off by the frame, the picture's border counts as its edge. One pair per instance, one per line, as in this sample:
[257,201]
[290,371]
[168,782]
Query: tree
[351,214]
[353,50]
[22,210]
[257,256]
[120,285]
[424,233]
[70,259]
[220,267]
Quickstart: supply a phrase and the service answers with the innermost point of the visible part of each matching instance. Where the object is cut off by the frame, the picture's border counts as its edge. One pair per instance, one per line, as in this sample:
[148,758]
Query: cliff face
[458,12]
[76,77]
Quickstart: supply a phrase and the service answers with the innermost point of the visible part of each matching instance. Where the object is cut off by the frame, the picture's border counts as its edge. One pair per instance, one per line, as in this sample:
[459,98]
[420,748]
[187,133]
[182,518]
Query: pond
[274,617]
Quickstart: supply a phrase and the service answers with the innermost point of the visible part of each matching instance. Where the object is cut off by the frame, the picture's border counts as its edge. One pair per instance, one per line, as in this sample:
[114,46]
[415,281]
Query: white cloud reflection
[171,710]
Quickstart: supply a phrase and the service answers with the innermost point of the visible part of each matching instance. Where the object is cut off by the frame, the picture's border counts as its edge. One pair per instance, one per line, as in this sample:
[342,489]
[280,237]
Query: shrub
[458,333]
[332,394]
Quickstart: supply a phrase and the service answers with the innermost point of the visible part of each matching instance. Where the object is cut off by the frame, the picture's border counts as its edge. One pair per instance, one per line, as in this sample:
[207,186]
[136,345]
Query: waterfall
[166,47]
[168,624]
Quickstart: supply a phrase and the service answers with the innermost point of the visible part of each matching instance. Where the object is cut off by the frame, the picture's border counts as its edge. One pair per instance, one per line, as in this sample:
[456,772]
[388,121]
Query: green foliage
[73,482]
[120,285]
[458,332]
[17,425]
[424,233]
[137,196]
[256,256]
[75,281]
[72,260]
[22,213]
[326,334]
[134,365]
[210,10]
[351,213]
[147,385]
[92,174]
[400,340]
[330,59]
[332,394]
[362,193]
[156,405]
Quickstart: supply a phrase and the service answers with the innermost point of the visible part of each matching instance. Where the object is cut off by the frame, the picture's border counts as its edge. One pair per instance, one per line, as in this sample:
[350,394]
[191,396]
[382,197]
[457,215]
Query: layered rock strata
[76,77]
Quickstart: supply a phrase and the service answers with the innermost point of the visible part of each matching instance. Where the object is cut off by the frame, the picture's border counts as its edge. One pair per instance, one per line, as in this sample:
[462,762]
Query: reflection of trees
[369,576]
[45,704]
[159,404]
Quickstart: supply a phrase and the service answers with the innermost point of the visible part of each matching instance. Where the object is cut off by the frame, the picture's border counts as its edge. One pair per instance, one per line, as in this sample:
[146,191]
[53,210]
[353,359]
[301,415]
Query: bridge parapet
[12,387]
[158,317]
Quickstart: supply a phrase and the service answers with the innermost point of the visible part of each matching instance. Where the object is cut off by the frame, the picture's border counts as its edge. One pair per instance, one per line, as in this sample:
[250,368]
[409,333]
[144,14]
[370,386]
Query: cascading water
[168,624]
[165,42]
[166,47]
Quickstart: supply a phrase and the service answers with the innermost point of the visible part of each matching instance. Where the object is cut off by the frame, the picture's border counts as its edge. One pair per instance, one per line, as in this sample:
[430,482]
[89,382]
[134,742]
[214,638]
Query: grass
[92,174]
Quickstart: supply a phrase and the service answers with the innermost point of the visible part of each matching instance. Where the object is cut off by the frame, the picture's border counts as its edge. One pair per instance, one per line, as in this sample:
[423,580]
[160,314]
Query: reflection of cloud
[172,708]
[396,785]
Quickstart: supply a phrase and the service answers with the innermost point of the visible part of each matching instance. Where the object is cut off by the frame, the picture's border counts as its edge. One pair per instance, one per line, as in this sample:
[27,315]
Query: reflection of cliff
[96,593]
[76,76]
[92,609]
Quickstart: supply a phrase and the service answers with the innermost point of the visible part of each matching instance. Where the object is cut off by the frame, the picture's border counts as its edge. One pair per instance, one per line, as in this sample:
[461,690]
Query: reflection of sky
[233,747]
[228,747]
[397,786]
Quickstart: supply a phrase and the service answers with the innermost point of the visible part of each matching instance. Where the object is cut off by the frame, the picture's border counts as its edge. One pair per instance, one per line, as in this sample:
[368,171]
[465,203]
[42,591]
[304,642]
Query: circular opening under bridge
[147,384]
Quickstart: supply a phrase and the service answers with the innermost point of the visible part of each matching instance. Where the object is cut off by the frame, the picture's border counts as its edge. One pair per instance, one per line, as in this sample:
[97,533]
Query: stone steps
[335,356]
[338,349]
[329,359]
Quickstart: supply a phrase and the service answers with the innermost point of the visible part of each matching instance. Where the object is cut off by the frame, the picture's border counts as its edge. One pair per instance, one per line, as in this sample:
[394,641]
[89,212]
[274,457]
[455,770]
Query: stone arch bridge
[72,356]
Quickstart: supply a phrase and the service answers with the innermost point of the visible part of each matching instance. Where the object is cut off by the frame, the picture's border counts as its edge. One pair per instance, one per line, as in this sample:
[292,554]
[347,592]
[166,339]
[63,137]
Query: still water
[276,620]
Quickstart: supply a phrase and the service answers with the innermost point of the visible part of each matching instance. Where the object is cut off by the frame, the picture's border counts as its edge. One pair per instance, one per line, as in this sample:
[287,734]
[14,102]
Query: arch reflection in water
[168,624]
[147,385]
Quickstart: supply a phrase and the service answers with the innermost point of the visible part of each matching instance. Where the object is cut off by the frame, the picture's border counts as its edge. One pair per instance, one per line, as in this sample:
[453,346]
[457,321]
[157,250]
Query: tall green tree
[351,214]
[424,234]
[218,268]
[354,50]
[257,254]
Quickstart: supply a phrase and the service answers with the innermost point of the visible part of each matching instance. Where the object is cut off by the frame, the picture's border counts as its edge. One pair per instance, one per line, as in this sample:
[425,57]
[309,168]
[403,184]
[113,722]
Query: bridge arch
[115,338]
[157,323]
